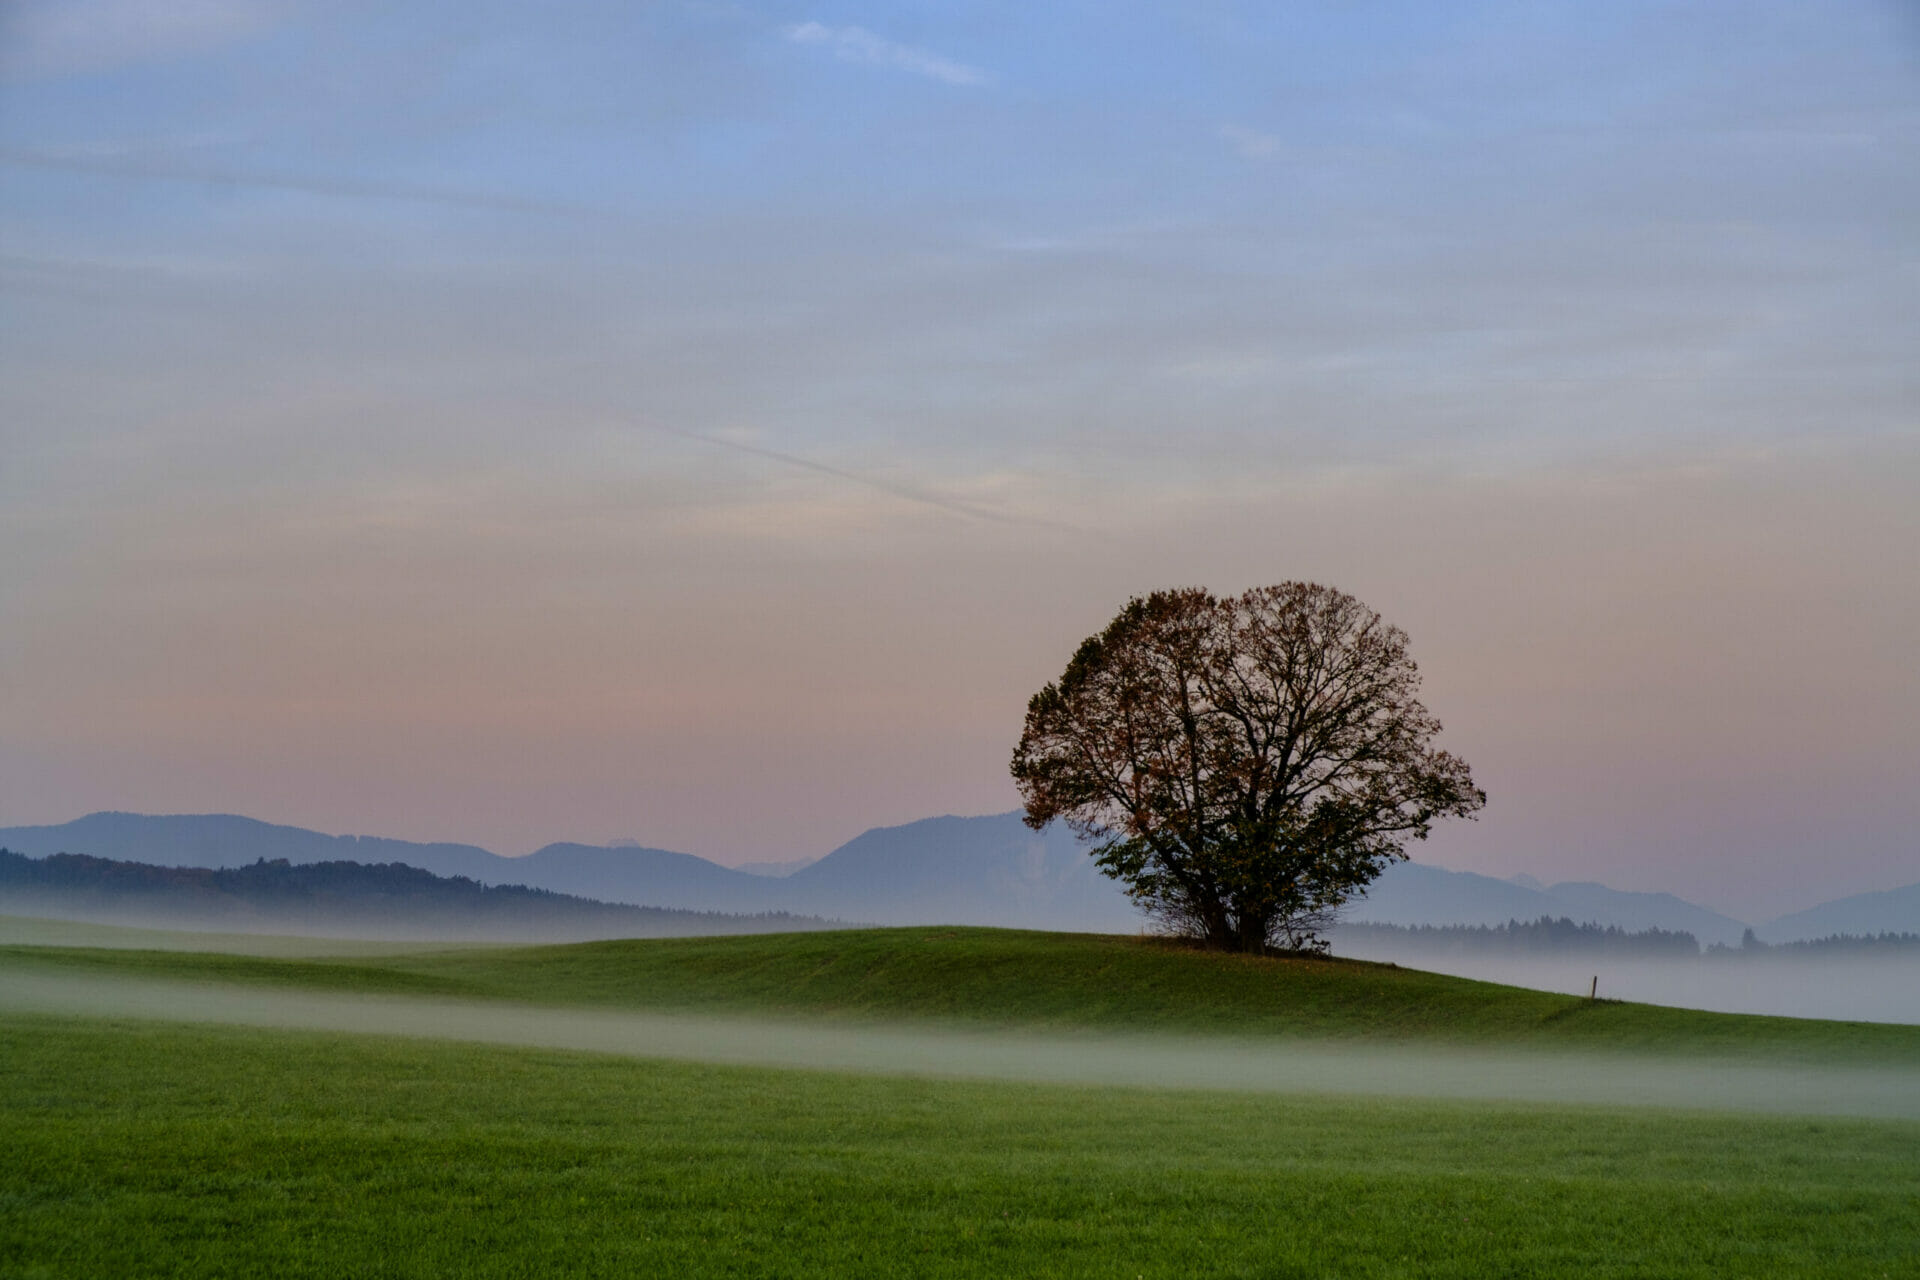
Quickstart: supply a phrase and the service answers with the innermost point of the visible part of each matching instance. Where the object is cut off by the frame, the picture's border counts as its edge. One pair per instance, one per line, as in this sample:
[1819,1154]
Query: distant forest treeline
[1831,945]
[378,899]
[1548,936]
[1545,936]
[398,901]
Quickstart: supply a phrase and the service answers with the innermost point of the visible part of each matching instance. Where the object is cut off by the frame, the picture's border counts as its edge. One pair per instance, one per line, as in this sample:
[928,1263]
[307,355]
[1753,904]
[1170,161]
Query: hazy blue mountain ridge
[949,870]
[987,870]
[650,877]
[955,870]
[388,900]
[218,840]
[1888,911]
[627,873]
[1646,910]
[1414,893]
[778,870]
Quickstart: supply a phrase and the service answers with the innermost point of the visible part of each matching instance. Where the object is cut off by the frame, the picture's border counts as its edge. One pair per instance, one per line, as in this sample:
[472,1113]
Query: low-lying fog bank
[1867,988]
[1092,1059]
[48,931]
[1860,988]
[399,922]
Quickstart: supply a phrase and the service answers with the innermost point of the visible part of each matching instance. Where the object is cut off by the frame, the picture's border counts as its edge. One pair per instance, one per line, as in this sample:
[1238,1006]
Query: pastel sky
[708,423]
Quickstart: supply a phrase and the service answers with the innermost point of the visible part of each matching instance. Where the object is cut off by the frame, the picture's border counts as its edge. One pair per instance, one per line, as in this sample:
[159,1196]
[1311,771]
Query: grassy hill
[1011,979]
[163,1149]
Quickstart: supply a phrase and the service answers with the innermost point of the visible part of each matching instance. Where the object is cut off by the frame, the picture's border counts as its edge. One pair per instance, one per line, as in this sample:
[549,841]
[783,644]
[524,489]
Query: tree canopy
[1245,765]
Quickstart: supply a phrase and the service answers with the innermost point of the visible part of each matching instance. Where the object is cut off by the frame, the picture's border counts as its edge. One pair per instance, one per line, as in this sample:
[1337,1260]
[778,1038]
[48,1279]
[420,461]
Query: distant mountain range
[339,898]
[1543,937]
[986,870]
[1889,911]
[1413,893]
[991,870]
[225,840]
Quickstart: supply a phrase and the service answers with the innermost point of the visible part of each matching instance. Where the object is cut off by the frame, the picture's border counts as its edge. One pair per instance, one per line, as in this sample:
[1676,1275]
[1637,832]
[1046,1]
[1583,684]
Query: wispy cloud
[857,44]
[56,37]
[113,163]
[1250,143]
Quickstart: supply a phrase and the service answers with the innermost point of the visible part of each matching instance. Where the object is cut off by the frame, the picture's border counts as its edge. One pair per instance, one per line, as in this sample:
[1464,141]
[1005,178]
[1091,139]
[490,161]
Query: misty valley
[630,1060]
[1853,958]
[1157,641]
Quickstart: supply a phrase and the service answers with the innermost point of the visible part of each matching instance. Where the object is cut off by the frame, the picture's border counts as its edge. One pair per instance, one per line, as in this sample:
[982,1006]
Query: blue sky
[708,423]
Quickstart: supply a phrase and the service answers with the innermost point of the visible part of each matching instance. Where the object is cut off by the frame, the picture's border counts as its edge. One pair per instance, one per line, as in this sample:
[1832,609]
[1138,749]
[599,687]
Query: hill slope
[1008,979]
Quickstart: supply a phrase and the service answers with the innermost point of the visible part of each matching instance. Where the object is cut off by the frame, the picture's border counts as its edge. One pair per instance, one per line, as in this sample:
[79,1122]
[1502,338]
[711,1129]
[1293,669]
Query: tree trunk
[1251,936]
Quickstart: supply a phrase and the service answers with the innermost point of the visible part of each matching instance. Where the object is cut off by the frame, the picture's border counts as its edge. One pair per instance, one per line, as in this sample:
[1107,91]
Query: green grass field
[1010,979]
[150,1148]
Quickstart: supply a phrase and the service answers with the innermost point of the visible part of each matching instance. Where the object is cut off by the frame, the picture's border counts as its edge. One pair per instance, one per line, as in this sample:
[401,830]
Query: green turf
[151,1150]
[1004,978]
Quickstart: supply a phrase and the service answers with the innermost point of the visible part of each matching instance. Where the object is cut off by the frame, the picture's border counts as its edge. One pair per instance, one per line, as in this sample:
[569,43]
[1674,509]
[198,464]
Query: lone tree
[1245,765]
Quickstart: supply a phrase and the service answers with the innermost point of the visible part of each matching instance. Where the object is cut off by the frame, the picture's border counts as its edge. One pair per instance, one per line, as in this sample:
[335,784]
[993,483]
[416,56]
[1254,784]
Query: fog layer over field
[1851,988]
[1094,1059]
[1848,988]
[46,931]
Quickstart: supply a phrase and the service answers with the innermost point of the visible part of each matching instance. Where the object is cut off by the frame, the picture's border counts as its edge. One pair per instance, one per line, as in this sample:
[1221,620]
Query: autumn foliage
[1245,765]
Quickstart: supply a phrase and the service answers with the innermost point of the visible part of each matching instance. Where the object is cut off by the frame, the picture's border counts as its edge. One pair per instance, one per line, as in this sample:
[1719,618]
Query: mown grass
[152,1149]
[155,1150]
[1005,978]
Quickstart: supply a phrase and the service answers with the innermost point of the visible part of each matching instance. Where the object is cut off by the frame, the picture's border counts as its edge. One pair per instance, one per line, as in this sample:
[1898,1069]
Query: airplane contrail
[120,167]
[908,492]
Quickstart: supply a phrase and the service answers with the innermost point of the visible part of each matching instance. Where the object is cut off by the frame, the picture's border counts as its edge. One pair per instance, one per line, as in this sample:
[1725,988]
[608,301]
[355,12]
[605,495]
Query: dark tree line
[1550,936]
[1832,945]
[1545,936]
[391,892]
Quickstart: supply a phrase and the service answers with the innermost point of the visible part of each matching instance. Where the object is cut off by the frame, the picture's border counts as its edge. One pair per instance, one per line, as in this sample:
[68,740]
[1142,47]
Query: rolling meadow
[938,1102]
